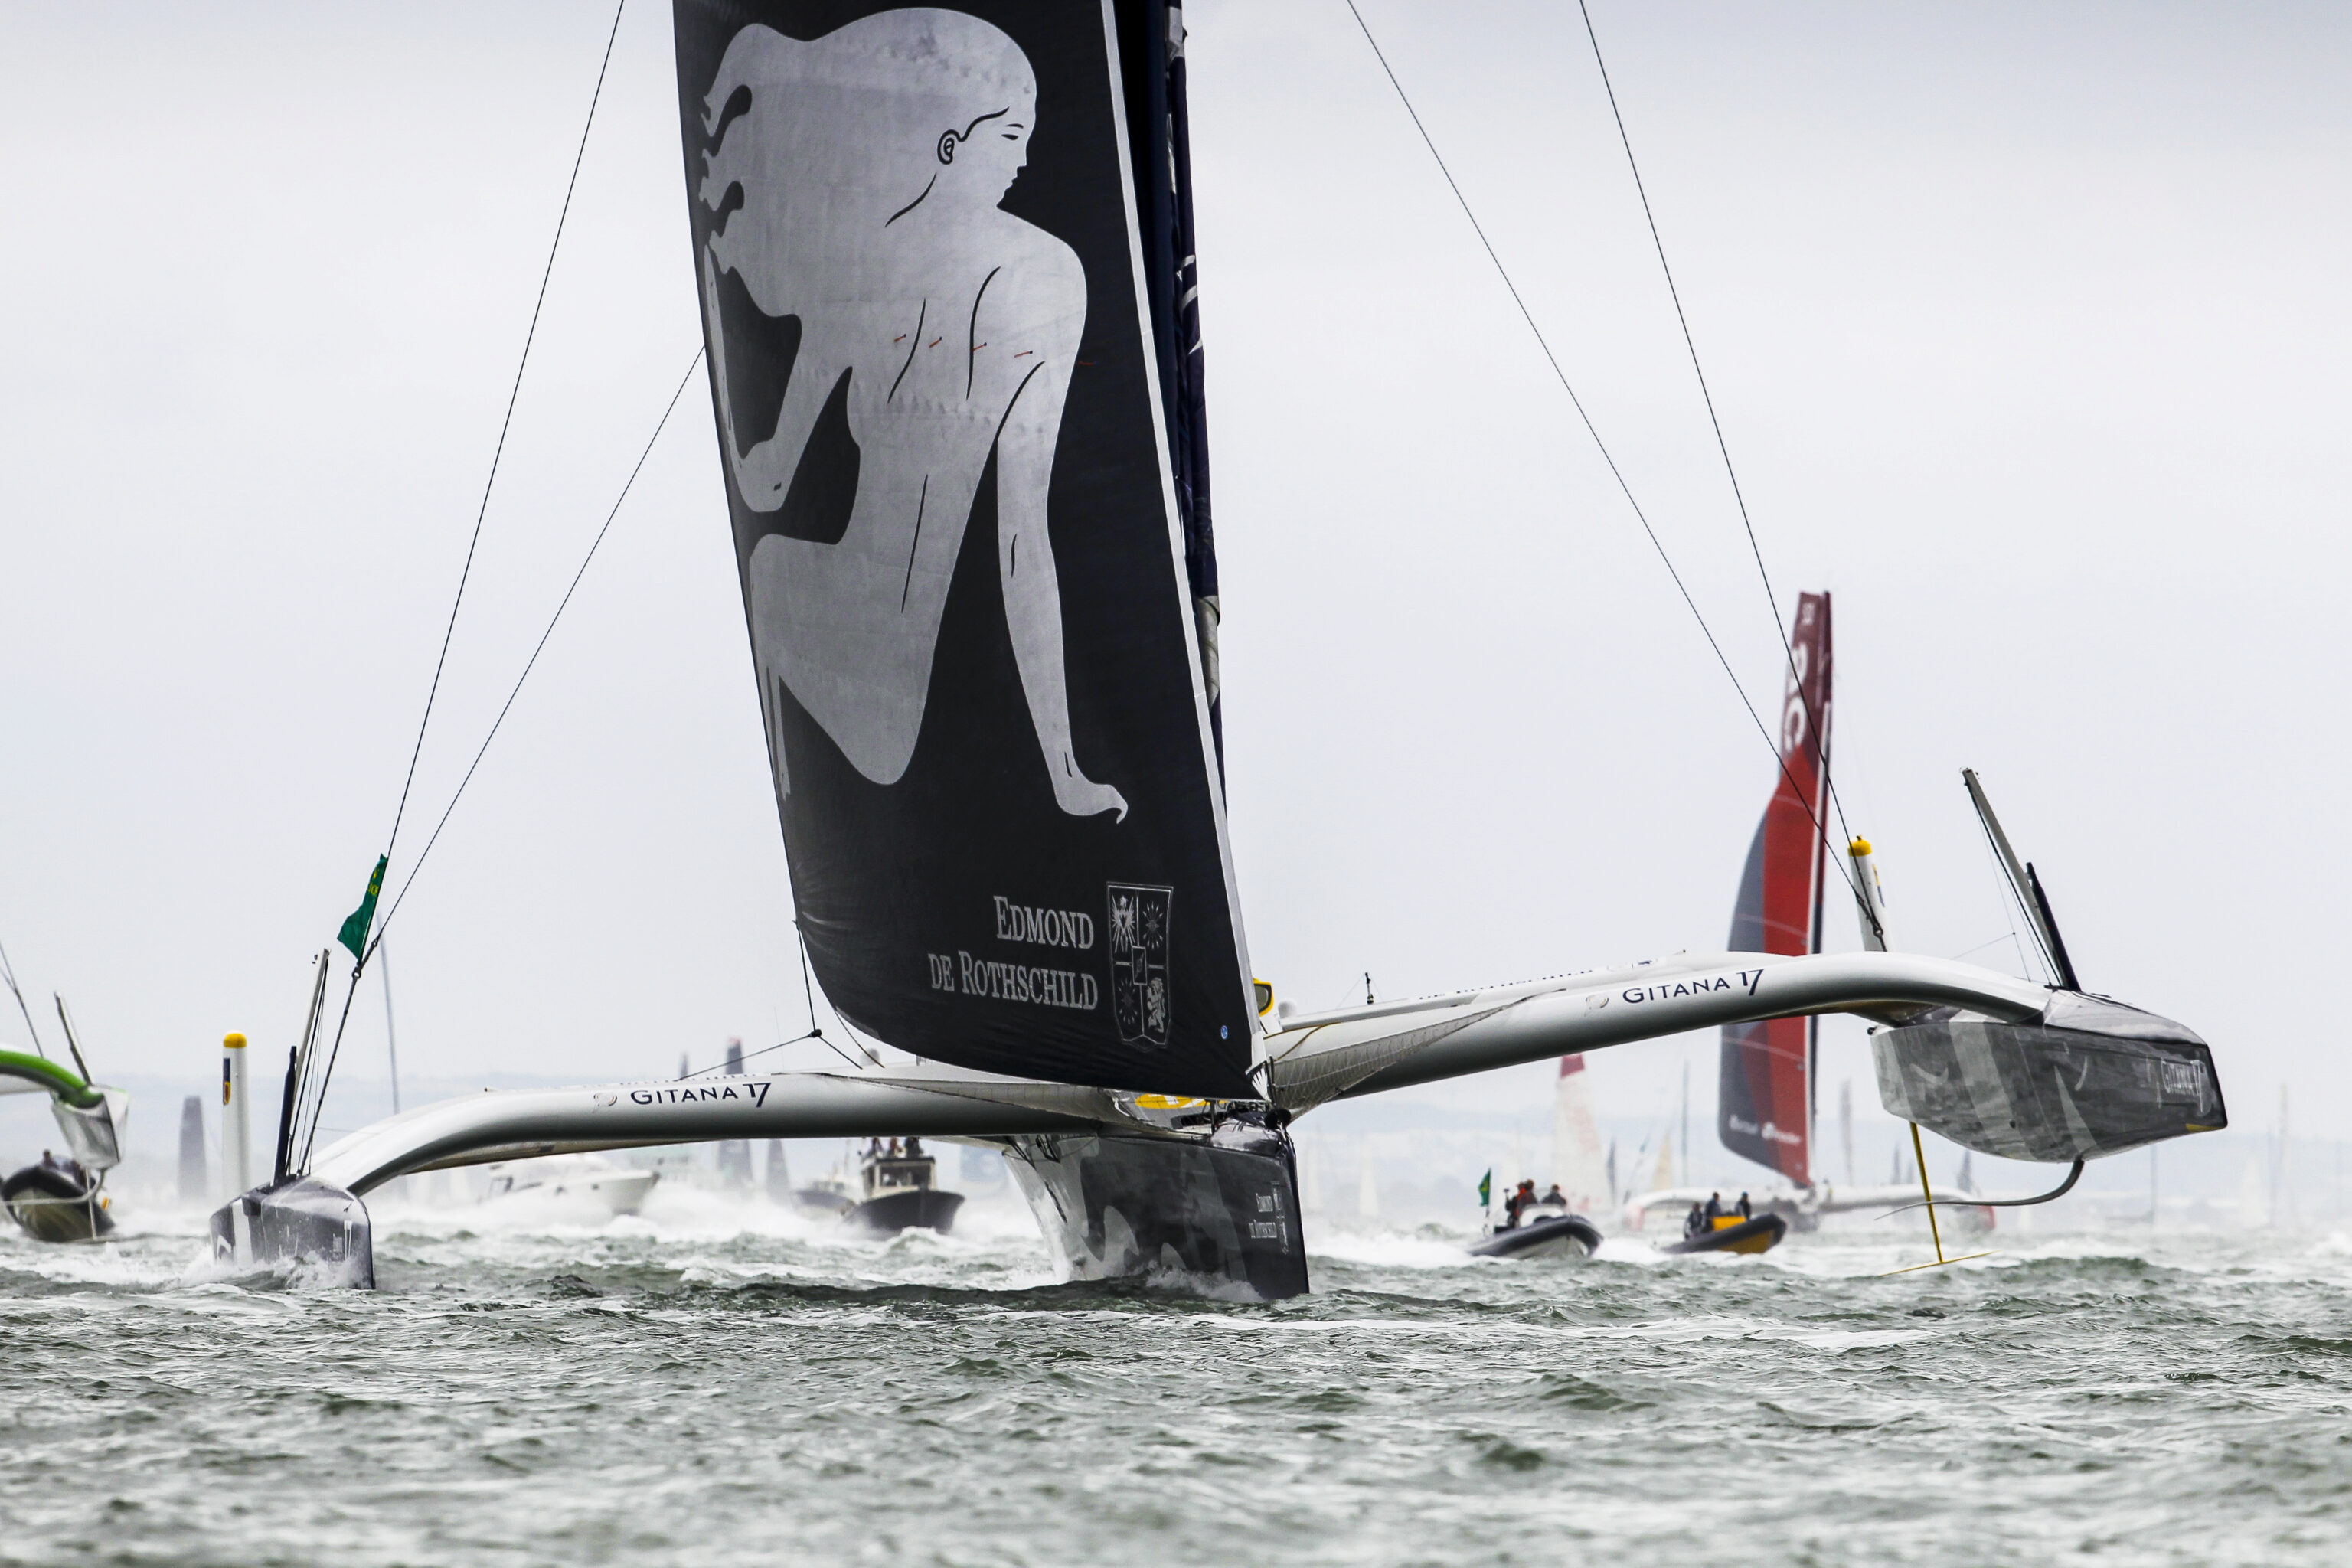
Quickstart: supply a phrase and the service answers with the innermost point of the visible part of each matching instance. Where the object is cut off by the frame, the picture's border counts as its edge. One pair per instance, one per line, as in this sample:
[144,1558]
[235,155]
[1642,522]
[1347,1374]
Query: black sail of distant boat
[1764,1110]
[945,265]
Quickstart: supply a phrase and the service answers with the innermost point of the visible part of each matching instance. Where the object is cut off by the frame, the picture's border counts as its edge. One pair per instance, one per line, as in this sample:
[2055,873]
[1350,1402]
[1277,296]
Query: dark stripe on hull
[1573,1237]
[1225,1212]
[923,1208]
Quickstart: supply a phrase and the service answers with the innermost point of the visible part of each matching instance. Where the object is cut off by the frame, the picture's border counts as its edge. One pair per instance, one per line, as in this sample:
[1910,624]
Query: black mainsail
[945,265]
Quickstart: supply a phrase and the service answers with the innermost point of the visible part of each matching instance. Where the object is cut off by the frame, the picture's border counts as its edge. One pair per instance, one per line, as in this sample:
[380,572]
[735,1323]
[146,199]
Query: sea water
[720,1382]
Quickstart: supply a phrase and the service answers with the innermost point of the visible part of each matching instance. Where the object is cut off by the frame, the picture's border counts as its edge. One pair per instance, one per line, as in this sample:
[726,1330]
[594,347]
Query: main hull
[1221,1212]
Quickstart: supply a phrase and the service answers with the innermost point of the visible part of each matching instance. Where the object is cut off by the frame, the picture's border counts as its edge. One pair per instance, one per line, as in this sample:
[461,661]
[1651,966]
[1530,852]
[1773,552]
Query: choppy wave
[716,1382]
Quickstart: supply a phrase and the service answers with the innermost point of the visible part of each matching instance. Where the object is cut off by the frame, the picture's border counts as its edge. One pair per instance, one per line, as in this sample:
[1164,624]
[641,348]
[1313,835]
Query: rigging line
[9,972]
[816,1034]
[385,924]
[1602,446]
[1714,421]
[504,425]
[2013,903]
[1989,942]
[809,988]
[318,1109]
[850,1029]
[854,1065]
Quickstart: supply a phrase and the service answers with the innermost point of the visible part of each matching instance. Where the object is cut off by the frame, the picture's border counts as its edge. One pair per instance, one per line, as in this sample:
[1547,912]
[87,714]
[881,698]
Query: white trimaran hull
[1313,1059]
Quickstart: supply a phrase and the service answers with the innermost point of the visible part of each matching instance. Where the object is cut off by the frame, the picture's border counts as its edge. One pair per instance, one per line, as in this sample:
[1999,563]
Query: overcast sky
[2026,324]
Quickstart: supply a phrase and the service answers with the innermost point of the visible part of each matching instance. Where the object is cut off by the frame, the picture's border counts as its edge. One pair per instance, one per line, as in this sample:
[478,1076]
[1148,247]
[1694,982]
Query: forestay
[931,258]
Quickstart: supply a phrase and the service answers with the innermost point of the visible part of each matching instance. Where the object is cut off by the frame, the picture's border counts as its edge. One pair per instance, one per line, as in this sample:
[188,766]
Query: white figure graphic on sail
[871,161]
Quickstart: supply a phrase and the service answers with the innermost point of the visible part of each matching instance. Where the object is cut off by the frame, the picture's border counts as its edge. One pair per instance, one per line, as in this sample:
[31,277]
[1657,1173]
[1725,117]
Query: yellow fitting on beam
[1859,847]
[233,1042]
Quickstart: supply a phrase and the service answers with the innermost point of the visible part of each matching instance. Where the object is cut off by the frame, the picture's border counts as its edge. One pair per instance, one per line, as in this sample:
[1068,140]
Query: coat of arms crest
[1139,962]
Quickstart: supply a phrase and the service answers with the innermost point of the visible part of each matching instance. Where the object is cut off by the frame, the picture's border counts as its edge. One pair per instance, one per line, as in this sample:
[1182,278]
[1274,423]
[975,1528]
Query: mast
[390,1040]
[1820,888]
[1684,1136]
[1845,1124]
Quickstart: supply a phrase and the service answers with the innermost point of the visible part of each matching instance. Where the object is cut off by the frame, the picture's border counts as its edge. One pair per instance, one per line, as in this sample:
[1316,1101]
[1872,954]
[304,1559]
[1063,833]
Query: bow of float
[315,1218]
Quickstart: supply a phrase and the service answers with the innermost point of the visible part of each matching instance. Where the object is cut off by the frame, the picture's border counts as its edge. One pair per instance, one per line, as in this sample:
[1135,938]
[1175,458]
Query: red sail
[1764,1107]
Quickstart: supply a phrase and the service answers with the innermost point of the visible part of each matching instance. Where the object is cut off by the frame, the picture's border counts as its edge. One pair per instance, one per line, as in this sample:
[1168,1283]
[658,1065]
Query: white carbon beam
[1313,1059]
[1364,1051]
[513,1125]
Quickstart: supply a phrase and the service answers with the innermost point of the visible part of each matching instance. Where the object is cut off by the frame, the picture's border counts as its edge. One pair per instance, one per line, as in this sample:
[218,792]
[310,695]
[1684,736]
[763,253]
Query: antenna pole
[296,1063]
[391,1043]
[8,974]
[2050,925]
[2019,882]
[72,1044]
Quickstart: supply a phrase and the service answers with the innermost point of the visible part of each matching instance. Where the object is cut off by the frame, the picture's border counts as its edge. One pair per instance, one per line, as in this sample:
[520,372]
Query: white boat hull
[571,1187]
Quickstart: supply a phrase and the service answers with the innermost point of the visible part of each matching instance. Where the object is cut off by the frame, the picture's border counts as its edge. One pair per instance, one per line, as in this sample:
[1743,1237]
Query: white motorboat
[589,1183]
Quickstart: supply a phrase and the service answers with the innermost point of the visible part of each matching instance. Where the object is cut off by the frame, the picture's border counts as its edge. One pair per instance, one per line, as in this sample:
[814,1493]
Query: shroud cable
[1755,549]
[1602,446]
[384,926]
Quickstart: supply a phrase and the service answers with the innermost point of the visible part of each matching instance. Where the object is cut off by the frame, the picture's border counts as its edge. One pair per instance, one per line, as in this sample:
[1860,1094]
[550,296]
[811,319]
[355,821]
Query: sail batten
[1764,1100]
[970,574]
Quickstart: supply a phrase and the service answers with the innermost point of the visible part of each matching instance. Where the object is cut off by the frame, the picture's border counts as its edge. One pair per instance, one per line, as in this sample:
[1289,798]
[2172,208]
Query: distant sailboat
[1767,1097]
[1764,1106]
[947,270]
[1579,1165]
[195,1177]
[1764,1097]
[61,1197]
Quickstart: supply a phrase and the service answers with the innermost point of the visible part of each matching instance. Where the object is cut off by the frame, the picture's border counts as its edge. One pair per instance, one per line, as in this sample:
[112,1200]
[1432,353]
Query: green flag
[355,933]
[1486,1190]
